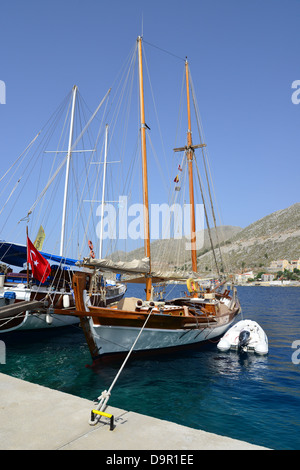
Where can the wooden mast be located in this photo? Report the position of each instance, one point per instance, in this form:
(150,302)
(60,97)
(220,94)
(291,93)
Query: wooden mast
(144,164)
(190,149)
(190,155)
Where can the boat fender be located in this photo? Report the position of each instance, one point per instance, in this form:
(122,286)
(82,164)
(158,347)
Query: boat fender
(192,286)
(9,297)
(49,319)
(66,301)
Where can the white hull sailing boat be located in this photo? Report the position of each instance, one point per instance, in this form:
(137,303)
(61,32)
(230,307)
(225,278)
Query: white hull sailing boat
(162,326)
(26,303)
(15,293)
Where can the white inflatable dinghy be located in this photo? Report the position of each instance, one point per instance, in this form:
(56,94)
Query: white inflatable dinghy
(244,336)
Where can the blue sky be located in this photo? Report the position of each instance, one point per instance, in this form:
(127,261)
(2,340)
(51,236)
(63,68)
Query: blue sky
(243,56)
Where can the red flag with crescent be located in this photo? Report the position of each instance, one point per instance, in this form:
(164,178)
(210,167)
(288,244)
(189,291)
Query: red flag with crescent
(39,265)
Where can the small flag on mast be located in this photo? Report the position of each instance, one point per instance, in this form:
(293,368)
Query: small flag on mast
(38,243)
(39,265)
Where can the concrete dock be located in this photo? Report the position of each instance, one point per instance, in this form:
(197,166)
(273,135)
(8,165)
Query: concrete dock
(33,417)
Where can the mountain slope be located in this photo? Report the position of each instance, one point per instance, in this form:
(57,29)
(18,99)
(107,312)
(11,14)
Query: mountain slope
(173,251)
(276,236)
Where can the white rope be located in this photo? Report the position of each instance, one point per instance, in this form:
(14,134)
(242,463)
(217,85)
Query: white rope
(105,395)
(27,148)
(9,319)
(210,183)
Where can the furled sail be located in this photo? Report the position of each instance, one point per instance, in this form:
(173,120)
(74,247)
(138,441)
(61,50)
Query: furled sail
(122,267)
(136,266)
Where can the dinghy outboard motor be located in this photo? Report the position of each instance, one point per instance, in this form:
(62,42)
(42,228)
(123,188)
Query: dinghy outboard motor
(244,338)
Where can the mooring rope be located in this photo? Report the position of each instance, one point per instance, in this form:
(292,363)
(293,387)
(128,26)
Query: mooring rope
(105,395)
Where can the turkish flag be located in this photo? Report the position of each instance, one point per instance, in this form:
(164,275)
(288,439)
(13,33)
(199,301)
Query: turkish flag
(39,265)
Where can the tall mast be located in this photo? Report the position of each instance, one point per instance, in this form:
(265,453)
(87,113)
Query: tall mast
(63,223)
(144,164)
(190,156)
(103,192)
(189,149)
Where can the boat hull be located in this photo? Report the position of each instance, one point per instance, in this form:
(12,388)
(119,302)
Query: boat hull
(33,320)
(116,341)
(147,327)
(38,321)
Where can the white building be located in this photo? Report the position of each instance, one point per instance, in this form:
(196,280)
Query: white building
(267,277)
(242,278)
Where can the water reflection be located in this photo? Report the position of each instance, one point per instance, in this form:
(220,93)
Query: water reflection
(234,363)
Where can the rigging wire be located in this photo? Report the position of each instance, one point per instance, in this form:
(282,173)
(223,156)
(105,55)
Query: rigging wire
(208,175)
(206,216)
(32,161)
(60,145)
(81,215)
(164,50)
(159,127)
(122,114)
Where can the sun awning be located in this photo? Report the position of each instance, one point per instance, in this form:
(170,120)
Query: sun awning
(16,255)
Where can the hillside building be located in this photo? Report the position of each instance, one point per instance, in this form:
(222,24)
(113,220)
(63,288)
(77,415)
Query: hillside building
(267,277)
(242,278)
(279,265)
(282,264)
(295,264)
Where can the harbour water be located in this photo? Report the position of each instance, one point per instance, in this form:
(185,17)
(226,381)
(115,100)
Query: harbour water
(250,398)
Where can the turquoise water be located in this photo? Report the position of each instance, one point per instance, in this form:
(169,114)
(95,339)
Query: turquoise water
(252,398)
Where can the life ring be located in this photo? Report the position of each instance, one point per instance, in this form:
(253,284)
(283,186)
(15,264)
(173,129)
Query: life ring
(192,285)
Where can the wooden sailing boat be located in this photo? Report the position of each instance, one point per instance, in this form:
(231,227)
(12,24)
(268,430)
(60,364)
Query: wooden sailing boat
(26,303)
(178,324)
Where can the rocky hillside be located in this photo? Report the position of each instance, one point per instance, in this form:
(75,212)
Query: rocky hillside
(173,251)
(276,236)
